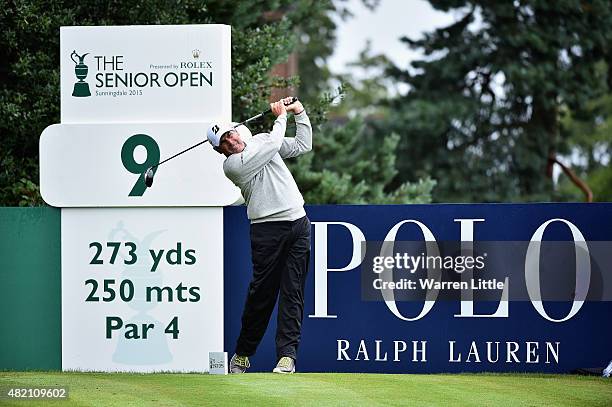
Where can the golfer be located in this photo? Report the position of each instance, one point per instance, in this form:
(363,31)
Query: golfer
(280,231)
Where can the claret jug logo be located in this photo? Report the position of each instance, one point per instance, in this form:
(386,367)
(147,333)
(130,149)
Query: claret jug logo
(81,88)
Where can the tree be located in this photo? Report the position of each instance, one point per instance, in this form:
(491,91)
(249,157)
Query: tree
(29,66)
(316,23)
(483,114)
(350,166)
(29,86)
(350,163)
(590,141)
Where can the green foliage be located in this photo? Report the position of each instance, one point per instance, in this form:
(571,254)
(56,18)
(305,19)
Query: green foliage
(341,170)
(369,89)
(590,143)
(316,36)
(483,112)
(350,166)
(16,185)
(29,65)
(600,181)
(316,23)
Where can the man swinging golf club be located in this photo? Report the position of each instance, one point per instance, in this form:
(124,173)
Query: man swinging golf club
(280,230)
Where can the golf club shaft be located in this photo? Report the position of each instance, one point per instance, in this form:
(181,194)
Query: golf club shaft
(177,154)
(293,100)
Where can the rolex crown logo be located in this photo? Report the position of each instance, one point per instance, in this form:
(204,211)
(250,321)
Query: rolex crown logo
(196,53)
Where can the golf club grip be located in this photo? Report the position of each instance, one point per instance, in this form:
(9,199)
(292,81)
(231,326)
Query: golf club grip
(250,119)
(293,100)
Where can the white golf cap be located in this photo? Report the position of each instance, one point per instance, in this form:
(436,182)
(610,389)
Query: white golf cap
(216,130)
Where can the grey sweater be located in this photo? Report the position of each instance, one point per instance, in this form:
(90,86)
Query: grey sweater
(267,186)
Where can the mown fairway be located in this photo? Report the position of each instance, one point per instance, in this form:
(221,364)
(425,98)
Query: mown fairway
(319,389)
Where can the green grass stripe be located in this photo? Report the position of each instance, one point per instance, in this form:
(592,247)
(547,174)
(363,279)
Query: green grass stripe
(318,389)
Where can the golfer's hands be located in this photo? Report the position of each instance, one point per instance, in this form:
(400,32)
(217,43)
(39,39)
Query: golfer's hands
(295,107)
(278,108)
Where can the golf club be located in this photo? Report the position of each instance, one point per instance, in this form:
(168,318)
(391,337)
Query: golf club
(150,173)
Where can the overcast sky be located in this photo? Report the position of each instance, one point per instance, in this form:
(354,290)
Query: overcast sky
(391,20)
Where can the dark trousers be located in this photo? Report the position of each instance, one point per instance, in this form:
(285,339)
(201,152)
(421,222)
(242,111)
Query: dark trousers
(280,252)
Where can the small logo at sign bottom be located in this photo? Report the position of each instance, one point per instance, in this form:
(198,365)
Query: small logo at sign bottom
(217,362)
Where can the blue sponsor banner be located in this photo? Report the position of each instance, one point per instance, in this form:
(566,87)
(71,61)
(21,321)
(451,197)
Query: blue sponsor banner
(344,333)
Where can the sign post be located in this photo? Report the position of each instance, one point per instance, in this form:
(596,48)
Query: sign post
(142,269)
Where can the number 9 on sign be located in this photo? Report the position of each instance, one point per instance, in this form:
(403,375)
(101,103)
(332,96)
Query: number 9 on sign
(130,164)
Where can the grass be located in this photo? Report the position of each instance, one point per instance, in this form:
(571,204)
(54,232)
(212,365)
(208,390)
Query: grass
(319,389)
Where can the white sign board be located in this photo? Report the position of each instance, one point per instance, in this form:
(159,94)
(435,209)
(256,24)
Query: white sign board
(168,73)
(142,288)
(101,165)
